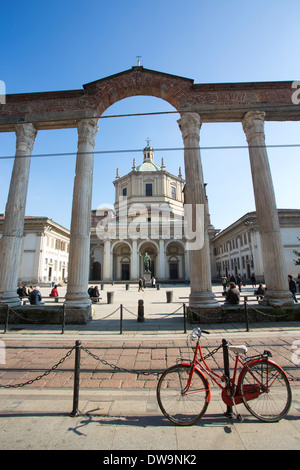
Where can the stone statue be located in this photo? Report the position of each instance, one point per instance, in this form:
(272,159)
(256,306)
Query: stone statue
(147,263)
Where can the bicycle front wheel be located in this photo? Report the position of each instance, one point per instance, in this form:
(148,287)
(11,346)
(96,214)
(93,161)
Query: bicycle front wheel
(181,403)
(266,391)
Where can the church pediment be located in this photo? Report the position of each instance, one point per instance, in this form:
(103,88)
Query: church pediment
(136,72)
(138,81)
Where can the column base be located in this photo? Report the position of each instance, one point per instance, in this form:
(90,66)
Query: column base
(9,298)
(203,299)
(78,302)
(277,298)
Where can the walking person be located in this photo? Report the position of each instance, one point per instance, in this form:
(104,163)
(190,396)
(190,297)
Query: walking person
(292,287)
(239,282)
(253,281)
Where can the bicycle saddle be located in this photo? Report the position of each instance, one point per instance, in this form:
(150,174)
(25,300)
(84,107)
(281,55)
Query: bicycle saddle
(238,349)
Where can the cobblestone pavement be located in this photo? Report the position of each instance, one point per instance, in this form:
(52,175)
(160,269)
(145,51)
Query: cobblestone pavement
(126,363)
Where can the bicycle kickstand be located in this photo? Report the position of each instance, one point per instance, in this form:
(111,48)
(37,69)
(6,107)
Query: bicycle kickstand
(230,413)
(239,417)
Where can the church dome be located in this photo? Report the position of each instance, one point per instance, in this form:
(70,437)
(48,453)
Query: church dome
(148,166)
(148,163)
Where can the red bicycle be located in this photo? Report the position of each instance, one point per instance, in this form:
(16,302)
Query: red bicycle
(183,390)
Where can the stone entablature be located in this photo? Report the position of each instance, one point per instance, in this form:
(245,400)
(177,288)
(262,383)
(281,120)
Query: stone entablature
(216,102)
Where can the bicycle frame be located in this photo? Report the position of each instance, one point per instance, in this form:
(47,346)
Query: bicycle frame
(231,391)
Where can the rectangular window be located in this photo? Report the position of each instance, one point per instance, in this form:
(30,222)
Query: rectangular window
(173,189)
(148,189)
(124,192)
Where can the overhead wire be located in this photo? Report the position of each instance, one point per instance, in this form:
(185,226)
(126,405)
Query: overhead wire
(167,149)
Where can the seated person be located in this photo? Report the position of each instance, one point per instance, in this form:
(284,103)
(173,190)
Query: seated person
(21,291)
(54,292)
(35,297)
(232,295)
(95,294)
(260,291)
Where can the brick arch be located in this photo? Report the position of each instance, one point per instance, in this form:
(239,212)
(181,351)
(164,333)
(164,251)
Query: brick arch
(139,82)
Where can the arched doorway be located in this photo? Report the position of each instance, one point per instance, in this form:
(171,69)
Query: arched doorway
(96,271)
(121,261)
(175,261)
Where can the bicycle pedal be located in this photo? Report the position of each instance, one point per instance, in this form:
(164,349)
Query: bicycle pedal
(240,418)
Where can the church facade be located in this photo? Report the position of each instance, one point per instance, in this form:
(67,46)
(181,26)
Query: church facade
(147,220)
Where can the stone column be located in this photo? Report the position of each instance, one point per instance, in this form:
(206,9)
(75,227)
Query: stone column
(201,295)
(107,261)
(134,261)
(161,261)
(277,293)
(79,256)
(13,226)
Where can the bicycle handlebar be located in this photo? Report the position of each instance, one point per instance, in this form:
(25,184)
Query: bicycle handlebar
(199,332)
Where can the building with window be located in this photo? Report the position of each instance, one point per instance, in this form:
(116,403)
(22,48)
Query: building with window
(147,218)
(45,251)
(237,249)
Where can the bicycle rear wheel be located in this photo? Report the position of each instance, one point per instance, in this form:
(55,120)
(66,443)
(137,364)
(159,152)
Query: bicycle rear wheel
(181,404)
(266,391)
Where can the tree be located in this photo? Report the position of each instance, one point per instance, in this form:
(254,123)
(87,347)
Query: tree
(297,261)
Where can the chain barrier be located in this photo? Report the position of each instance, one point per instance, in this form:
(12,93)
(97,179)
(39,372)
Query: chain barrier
(114,367)
(202,316)
(39,377)
(37,322)
(120,369)
(10,309)
(120,307)
(268,314)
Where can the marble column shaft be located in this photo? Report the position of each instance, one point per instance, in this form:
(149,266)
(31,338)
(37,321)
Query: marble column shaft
(79,256)
(201,294)
(275,273)
(13,226)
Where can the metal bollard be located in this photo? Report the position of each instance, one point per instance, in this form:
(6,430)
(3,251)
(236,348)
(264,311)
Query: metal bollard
(63,320)
(75,411)
(184,318)
(229,412)
(7,319)
(246,313)
(140,311)
(121,319)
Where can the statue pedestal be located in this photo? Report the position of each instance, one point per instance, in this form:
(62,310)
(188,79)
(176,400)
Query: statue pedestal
(147,277)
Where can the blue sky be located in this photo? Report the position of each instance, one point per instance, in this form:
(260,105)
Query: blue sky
(61,45)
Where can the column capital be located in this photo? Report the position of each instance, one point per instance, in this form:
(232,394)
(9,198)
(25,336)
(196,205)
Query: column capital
(190,124)
(87,130)
(253,124)
(26,134)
